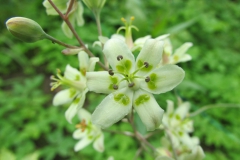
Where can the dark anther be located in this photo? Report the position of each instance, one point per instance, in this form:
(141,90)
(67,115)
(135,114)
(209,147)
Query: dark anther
(146,64)
(131,84)
(115,86)
(111,72)
(119,58)
(147,79)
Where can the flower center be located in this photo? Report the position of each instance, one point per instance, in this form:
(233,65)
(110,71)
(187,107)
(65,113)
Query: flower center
(61,80)
(82,125)
(131,78)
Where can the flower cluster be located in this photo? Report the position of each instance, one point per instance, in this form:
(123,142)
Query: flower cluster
(138,70)
(178,127)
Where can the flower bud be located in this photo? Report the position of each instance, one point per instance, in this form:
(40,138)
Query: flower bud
(71,51)
(94,5)
(25,29)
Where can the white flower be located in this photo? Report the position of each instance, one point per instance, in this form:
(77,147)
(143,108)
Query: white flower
(75,16)
(76,80)
(131,83)
(196,154)
(88,133)
(179,54)
(179,126)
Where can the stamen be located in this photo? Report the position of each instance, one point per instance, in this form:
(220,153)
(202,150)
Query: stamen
(146,64)
(130,85)
(111,73)
(115,86)
(147,79)
(82,125)
(120,57)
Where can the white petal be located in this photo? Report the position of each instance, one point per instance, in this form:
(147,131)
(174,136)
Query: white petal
(101,82)
(182,110)
(113,108)
(83,61)
(119,36)
(92,63)
(97,43)
(138,43)
(187,140)
(148,109)
(72,73)
(197,154)
(71,112)
(170,107)
(82,143)
(151,53)
(98,144)
(182,49)
(167,47)
(114,48)
(74,107)
(61,5)
(103,39)
(163,79)
(83,114)
(78,134)
(64,96)
(162,37)
(185,58)
(66,30)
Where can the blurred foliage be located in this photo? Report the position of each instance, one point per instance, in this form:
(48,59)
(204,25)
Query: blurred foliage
(31,128)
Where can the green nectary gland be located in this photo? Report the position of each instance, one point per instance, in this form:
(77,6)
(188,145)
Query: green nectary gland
(76,100)
(122,98)
(72,92)
(114,80)
(140,63)
(124,66)
(152,83)
(142,99)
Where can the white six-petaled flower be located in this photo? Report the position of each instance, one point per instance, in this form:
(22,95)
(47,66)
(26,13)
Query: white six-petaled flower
(76,80)
(88,133)
(131,83)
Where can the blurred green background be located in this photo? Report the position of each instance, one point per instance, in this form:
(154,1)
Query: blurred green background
(31,128)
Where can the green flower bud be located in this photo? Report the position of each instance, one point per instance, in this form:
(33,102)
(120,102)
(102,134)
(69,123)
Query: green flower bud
(25,29)
(94,5)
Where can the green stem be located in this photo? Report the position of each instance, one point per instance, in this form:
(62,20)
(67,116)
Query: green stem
(59,42)
(65,18)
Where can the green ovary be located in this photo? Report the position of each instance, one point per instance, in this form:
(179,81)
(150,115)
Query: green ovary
(122,98)
(152,83)
(142,99)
